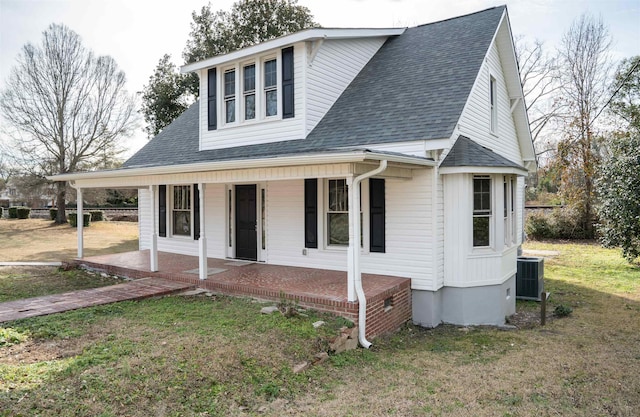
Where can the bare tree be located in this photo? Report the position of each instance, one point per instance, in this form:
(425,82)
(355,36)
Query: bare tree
(585,79)
(67,106)
(540,84)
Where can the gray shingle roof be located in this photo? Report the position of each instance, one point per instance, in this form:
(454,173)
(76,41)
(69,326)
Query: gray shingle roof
(414,87)
(467,153)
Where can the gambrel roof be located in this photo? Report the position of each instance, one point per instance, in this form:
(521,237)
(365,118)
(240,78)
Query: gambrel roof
(414,88)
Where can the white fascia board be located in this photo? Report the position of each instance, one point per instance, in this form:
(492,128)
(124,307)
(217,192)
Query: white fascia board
(482,170)
(305,159)
(304,35)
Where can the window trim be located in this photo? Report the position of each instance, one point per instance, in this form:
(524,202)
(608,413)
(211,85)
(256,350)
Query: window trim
(172,210)
(493,104)
(327,211)
(230,97)
(482,213)
(324,215)
(251,92)
(271,88)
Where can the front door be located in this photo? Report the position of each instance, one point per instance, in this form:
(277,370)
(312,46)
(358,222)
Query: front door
(246,230)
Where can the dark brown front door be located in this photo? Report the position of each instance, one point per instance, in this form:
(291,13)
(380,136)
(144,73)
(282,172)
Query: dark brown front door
(246,234)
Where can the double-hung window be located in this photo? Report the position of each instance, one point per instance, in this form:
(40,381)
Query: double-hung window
(230,96)
(338,213)
(181,210)
(493,101)
(249,92)
(271,87)
(481,211)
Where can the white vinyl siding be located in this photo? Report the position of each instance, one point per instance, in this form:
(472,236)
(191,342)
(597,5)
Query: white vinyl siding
(475,121)
(409,235)
(215,232)
(334,66)
(262,129)
(465,265)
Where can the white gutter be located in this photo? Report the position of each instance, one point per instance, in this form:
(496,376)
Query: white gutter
(362,301)
(305,159)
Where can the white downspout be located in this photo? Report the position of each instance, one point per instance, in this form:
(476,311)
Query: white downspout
(362,301)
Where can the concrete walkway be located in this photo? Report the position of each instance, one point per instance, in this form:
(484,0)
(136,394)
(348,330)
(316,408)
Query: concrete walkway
(57,303)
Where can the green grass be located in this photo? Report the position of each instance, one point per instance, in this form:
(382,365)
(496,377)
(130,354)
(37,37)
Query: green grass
(218,356)
(193,354)
(26,282)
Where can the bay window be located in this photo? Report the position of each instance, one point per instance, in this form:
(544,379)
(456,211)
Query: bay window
(481,211)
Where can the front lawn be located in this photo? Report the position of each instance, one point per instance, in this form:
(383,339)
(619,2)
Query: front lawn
(43,240)
(206,356)
(18,282)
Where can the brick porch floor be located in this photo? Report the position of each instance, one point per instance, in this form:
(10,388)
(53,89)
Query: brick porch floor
(57,303)
(319,289)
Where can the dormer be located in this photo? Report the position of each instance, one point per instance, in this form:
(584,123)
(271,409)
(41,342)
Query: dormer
(280,89)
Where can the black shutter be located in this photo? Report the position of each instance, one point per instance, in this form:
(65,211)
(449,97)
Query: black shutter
(162,210)
(287,83)
(211,100)
(376,215)
(196,212)
(311,213)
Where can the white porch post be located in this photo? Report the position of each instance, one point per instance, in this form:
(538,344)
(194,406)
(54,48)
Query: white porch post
(202,241)
(153,252)
(351,272)
(80,222)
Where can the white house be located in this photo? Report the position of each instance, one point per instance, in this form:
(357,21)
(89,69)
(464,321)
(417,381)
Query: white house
(398,152)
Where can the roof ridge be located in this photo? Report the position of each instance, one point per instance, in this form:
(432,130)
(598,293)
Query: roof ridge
(504,6)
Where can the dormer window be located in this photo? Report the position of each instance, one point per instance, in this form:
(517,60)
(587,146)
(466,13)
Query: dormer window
(252,90)
(230,95)
(271,87)
(249,92)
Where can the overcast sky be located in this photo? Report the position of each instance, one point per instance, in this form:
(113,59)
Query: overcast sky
(138,32)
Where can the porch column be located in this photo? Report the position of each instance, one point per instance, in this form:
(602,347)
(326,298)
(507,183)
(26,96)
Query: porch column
(353,244)
(202,241)
(153,252)
(80,222)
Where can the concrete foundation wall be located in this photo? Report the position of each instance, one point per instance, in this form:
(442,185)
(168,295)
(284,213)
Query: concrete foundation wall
(485,305)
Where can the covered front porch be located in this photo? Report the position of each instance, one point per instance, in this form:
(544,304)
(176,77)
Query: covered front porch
(388,298)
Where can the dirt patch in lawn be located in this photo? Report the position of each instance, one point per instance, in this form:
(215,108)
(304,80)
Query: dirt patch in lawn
(43,240)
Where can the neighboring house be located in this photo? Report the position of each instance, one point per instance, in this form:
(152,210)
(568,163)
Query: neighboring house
(420,135)
(25,191)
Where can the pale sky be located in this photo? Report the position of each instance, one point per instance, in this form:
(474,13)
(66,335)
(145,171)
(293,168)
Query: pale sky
(136,33)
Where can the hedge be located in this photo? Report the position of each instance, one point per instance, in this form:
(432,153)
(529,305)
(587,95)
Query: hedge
(13,212)
(73,219)
(53,213)
(1,212)
(96,215)
(23,212)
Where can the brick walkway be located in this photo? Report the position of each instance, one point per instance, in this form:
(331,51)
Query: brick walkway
(50,304)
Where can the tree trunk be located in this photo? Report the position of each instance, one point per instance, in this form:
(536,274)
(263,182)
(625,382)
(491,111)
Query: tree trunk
(61,196)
